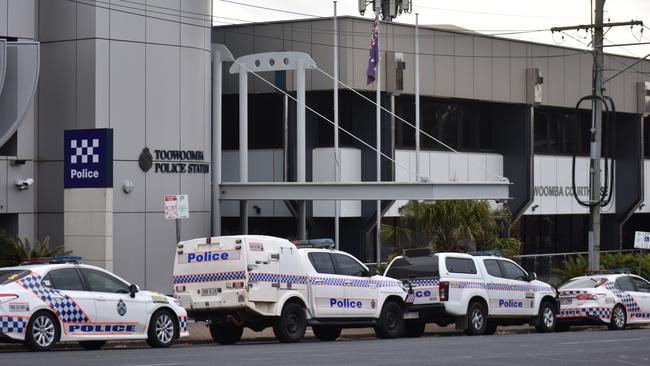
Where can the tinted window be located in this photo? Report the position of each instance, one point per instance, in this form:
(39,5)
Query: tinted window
(64,279)
(512,271)
(583,283)
(403,268)
(492,267)
(347,266)
(103,282)
(11,275)
(460,265)
(624,283)
(641,284)
(322,262)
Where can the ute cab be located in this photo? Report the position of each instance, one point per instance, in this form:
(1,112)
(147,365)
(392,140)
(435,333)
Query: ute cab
(262,281)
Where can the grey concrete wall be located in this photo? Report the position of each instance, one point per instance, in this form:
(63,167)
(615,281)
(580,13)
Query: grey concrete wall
(145,72)
(452,64)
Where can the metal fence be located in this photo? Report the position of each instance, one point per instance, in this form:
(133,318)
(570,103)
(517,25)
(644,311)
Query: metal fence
(543,264)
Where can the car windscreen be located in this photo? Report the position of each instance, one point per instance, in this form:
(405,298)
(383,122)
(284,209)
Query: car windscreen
(588,282)
(11,275)
(410,267)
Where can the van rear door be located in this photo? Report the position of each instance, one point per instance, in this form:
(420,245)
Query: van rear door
(263,262)
(208,269)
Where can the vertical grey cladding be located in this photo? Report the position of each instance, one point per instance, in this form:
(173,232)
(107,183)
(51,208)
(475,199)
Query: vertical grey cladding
(129,248)
(483,68)
(464,66)
(500,70)
(21,19)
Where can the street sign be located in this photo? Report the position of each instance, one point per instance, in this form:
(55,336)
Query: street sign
(642,240)
(177,206)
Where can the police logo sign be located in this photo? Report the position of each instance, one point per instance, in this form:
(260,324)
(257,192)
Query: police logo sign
(121,308)
(88,158)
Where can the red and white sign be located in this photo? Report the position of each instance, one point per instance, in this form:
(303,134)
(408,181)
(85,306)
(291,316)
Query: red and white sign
(177,206)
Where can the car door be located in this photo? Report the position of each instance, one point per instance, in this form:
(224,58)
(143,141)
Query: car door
(326,287)
(520,298)
(361,293)
(497,287)
(64,292)
(118,314)
(642,297)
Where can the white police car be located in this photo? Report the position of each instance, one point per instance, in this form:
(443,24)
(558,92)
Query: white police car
(614,299)
(60,300)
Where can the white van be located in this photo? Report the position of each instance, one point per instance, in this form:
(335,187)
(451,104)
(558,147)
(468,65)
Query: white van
(260,281)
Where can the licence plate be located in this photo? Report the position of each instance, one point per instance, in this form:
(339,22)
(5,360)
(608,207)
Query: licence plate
(565,301)
(209,291)
(411,315)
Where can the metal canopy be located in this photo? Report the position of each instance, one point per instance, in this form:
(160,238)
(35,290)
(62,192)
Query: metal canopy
(365,191)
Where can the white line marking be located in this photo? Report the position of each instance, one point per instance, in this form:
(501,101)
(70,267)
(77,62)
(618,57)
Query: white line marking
(605,341)
(158,364)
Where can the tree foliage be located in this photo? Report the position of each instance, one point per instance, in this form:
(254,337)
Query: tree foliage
(578,265)
(452,225)
(16,251)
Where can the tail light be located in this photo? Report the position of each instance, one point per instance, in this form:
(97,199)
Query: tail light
(7,297)
(589,296)
(443,289)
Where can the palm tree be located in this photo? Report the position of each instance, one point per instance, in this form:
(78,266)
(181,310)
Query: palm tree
(16,251)
(453,225)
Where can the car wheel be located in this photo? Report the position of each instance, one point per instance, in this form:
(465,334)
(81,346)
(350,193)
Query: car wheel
(290,327)
(490,328)
(92,345)
(162,329)
(414,329)
(42,331)
(391,321)
(546,318)
(476,319)
(225,333)
(326,332)
(619,318)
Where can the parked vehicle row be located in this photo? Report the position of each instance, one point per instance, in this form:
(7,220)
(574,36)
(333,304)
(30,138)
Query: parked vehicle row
(256,282)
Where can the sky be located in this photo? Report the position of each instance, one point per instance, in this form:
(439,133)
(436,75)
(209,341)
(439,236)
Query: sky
(485,16)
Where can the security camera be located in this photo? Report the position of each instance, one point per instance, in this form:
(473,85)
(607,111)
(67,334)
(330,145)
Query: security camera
(23,184)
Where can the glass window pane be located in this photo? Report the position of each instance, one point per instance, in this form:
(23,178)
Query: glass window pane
(460,265)
(512,271)
(418,267)
(582,283)
(322,263)
(64,279)
(624,283)
(348,266)
(103,282)
(492,267)
(641,284)
(11,275)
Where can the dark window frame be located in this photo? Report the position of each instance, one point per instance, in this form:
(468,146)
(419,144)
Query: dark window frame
(452,269)
(311,260)
(339,270)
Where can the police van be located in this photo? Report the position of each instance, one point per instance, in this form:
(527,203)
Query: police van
(257,282)
(475,292)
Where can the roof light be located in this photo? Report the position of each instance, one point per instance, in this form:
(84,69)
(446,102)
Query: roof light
(53,260)
(315,243)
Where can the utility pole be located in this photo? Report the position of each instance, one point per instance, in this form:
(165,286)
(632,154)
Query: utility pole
(595,195)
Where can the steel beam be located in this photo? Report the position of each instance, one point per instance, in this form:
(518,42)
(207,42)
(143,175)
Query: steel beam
(365,191)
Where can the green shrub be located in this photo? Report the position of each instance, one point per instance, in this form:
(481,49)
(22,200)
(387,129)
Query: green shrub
(16,251)
(578,265)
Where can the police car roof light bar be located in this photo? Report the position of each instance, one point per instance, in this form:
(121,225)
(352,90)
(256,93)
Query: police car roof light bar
(611,271)
(53,260)
(418,252)
(315,243)
(487,252)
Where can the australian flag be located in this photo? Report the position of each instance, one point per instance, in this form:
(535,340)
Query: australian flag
(374,52)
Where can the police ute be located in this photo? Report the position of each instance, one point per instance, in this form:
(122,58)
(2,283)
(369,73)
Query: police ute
(56,299)
(477,293)
(611,298)
(257,282)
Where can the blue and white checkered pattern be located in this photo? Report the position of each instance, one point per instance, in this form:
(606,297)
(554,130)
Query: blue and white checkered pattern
(182,323)
(210,277)
(571,292)
(338,281)
(598,312)
(12,324)
(84,151)
(425,282)
(471,285)
(65,308)
(627,299)
(276,277)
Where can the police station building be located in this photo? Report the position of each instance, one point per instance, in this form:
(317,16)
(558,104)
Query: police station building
(105,109)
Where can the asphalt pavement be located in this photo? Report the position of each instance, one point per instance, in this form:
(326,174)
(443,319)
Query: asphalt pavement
(590,347)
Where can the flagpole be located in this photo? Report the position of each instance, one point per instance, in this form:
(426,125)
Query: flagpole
(417,99)
(337,157)
(378,127)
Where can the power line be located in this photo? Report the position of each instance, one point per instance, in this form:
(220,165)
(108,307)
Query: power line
(495,14)
(270,9)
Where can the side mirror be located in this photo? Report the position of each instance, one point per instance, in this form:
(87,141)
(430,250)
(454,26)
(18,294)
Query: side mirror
(372,272)
(133,289)
(532,276)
